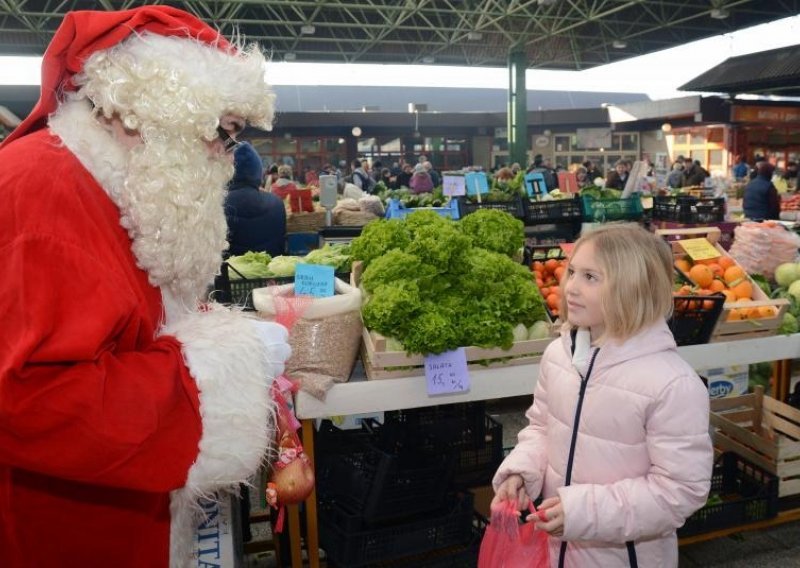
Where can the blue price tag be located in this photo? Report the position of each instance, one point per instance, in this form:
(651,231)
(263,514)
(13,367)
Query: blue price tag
(476,182)
(313,280)
(447,372)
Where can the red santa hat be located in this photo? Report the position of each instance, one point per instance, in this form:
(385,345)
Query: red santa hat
(83,33)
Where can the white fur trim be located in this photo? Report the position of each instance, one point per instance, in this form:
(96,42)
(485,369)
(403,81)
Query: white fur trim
(233,368)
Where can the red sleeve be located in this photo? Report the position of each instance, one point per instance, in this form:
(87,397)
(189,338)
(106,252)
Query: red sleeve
(86,390)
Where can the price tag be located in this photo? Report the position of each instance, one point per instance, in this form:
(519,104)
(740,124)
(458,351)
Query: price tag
(476,183)
(699,249)
(313,280)
(447,373)
(454,185)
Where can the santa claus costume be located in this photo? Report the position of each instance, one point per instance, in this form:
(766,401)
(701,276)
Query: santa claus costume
(123,399)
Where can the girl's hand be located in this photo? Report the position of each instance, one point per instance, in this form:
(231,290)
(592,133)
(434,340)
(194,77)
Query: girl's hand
(512,489)
(549,517)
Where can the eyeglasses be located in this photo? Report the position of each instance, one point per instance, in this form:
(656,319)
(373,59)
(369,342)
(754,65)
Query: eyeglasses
(228,141)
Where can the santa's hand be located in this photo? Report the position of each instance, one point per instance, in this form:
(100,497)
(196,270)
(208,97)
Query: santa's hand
(550,517)
(274,338)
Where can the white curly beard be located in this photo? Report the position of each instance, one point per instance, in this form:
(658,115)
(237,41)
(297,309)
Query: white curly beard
(170,192)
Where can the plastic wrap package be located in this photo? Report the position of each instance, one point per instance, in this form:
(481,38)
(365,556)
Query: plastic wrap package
(325,338)
(359,212)
(760,247)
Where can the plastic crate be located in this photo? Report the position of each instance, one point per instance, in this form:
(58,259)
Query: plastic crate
(553,211)
(381,478)
(749,494)
(542,253)
(349,544)
(688,209)
(396,210)
(475,438)
(610,209)
(238,291)
(694,318)
(460,556)
(300,244)
(513,207)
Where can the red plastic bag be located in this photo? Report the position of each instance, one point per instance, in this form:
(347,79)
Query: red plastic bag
(509,544)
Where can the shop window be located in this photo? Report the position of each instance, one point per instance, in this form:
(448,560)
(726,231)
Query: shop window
(629,142)
(562,143)
(682,139)
(310,145)
(698,138)
(715,158)
(699,155)
(716,135)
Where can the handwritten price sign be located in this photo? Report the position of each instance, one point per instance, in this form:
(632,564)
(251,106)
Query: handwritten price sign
(447,373)
(313,280)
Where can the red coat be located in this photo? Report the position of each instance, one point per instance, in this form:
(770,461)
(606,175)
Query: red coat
(99,416)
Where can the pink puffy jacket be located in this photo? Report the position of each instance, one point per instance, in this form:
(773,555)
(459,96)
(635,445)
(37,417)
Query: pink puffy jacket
(643,455)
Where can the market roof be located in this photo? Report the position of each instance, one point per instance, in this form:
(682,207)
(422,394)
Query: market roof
(773,72)
(554,34)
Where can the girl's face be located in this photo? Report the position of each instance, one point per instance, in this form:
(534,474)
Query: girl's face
(583,290)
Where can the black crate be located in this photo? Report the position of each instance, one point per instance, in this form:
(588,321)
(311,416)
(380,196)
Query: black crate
(694,318)
(553,211)
(460,556)
(382,477)
(238,291)
(513,207)
(749,494)
(475,438)
(349,545)
(688,209)
(542,253)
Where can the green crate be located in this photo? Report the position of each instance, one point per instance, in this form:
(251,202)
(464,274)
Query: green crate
(610,209)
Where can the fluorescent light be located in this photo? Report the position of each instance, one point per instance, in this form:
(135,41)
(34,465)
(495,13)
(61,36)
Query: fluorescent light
(308,29)
(290,56)
(619,44)
(474,36)
(719,13)
(428,59)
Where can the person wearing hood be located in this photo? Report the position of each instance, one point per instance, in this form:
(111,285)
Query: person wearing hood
(617,442)
(421,181)
(761,200)
(256,220)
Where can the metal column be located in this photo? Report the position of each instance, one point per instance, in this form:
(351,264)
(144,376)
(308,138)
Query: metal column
(517,109)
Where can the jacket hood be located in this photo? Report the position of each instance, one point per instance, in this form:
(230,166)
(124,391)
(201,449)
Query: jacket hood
(654,339)
(247,165)
(280,182)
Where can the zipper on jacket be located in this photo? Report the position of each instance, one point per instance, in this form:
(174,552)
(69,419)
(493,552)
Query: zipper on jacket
(568,477)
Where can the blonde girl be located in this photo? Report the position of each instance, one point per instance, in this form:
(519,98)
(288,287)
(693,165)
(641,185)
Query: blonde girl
(617,442)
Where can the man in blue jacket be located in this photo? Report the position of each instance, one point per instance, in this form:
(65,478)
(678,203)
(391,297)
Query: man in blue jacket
(256,220)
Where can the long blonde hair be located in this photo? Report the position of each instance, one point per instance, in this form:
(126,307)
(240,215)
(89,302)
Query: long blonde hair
(638,269)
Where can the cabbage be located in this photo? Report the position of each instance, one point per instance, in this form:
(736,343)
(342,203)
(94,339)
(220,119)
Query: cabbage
(250,265)
(539,330)
(284,265)
(794,290)
(520,332)
(787,273)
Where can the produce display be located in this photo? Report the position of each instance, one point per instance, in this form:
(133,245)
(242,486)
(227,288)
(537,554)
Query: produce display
(259,265)
(433,284)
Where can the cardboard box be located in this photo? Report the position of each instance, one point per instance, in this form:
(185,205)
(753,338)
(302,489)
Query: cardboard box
(727,381)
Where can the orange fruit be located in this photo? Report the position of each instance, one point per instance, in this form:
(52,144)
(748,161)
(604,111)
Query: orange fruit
(717,285)
(539,282)
(725,262)
(735,315)
(701,275)
(683,265)
(537,265)
(743,290)
(559,272)
(734,273)
(553,300)
(716,269)
(730,297)
(545,291)
(551,264)
(768,311)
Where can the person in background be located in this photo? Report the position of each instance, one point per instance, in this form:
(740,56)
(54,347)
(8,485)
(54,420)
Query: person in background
(404,179)
(618,177)
(361,178)
(617,441)
(311,177)
(761,200)
(592,170)
(436,179)
(125,395)
(270,176)
(740,169)
(756,164)
(695,174)
(387,178)
(791,174)
(300,199)
(582,175)
(421,181)
(256,220)
(375,172)
(779,181)
(675,176)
